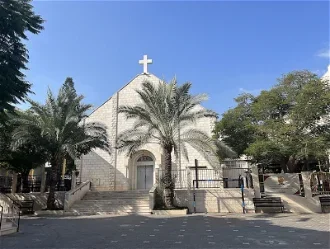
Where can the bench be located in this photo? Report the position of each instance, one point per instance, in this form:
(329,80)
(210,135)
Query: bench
(325,202)
(268,202)
(25,206)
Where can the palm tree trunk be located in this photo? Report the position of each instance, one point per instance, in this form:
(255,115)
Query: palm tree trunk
(169,187)
(53,181)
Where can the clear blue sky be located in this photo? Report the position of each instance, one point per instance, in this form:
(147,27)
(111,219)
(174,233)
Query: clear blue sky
(223,48)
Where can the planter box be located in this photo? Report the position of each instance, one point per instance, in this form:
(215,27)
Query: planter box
(173,212)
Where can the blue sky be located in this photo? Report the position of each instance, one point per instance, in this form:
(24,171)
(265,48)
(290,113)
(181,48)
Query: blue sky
(223,48)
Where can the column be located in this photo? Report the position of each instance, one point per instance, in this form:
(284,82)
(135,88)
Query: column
(14,183)
(255,178)
(73,179)
(306,176)
(43,179)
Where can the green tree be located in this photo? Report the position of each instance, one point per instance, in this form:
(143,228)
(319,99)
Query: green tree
(166,111)
(286,125)
(236,125)
(16,19)
(58,126)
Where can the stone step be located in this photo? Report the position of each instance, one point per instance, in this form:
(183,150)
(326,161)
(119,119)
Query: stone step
(110,207)
(116,201)
(118,192)
(115,197)
(108,212)
(115,194)
(83,204)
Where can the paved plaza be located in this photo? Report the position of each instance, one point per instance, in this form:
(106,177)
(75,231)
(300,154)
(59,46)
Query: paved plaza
(192,231)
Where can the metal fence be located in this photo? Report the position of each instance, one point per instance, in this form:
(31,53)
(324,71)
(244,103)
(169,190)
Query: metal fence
(179,178)
(209,178)
(320,183)
(231,177)
(6,184)
(32,183)
(206,178)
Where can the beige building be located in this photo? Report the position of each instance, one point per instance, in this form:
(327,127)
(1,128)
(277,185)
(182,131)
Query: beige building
(116,171)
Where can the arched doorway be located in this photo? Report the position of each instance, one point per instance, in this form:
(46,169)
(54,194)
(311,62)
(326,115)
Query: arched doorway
(145,172)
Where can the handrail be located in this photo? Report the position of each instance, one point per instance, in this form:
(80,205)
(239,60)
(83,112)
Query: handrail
(73,191)
(16,216)
(76,194)
(14,213)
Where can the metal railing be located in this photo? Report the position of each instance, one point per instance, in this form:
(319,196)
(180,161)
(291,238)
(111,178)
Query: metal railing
(11,213)
(6,184)
(209,178)
(14,216)
(179,178)
(320,183)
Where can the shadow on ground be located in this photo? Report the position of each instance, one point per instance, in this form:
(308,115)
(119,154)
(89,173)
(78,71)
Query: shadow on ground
(192,231)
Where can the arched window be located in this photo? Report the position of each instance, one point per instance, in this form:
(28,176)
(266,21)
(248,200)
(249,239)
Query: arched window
(145,159)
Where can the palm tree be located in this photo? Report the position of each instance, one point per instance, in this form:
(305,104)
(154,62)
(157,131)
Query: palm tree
(59,128)
(166,111)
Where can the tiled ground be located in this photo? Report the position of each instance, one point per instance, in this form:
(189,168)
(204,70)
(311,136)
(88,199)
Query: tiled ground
(193,231)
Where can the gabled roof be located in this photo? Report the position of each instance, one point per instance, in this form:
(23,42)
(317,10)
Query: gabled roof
(142,74)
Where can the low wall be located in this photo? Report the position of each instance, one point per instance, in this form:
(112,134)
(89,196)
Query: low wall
(152,197)
(299,204)
(76,194)
(40,199)
(286,183)
(213,200)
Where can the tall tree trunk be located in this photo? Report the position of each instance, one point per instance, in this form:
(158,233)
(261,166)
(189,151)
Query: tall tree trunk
(53,181)
(168,183)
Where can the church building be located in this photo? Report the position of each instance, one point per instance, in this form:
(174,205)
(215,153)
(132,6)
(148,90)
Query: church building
(116,171)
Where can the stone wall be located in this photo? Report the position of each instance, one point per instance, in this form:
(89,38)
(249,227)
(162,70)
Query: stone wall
(98,166)
(213,200)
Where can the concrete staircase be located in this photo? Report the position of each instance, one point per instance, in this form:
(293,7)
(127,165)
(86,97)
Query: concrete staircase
(112,202)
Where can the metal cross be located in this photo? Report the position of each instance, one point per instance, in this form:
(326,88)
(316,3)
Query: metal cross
(145,63)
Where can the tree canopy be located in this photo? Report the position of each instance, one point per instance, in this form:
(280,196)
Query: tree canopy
(58,127)
(16,19)
(23,157)
(286,125)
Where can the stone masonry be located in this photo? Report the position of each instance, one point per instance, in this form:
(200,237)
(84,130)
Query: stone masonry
(116,171)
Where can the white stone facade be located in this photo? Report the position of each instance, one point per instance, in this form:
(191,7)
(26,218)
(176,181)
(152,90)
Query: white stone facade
(116,171)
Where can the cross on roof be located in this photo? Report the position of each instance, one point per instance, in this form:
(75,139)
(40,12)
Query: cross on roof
(145,63)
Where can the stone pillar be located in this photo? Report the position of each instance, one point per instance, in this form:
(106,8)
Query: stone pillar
(14,183)
(43,179)
(157,175)
(255,179)
(306,176)
(189,179)
(43,182)
(73,179)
